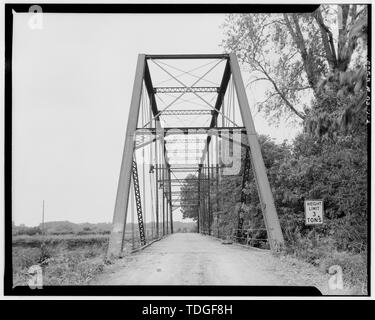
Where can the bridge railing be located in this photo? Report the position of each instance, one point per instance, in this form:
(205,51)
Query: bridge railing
(247,236)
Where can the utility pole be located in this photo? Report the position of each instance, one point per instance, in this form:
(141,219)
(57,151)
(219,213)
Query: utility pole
(43,219)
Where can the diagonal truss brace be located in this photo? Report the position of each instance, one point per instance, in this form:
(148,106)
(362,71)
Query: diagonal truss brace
(138,202)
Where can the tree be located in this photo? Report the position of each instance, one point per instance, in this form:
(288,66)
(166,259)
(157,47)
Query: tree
(341,103)
(189,197)
(295,55)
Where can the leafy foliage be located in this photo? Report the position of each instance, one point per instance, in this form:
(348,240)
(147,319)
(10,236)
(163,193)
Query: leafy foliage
(312,66)
(189,191)
(263,45)
(299,59)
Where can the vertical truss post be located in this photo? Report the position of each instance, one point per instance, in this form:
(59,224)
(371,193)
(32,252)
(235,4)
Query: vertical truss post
(209,195)
(217,189)
(206,197)
(157,199)
(116,241)
(246,174)
(204,200)
(170,197)
(167,194)
(221,188)
(222,114)
(218,184)
(265,194)
(217,198)
(166,213)
(163,197)
(245,178)
(199,196)
(171,215)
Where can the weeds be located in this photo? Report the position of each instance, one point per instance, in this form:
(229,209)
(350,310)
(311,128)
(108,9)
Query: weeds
(66,260)
(322,252)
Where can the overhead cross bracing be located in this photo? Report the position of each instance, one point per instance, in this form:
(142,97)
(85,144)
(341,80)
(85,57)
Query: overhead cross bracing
(185,89)
(189,121)
(187,112)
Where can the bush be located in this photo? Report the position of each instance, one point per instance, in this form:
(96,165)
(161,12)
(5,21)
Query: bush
(30,231)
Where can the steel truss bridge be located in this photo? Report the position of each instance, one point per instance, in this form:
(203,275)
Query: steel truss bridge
(189,126)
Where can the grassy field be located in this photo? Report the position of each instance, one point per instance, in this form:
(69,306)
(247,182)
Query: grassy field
(65,259)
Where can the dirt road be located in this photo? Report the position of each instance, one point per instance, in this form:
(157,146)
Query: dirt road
(194,259)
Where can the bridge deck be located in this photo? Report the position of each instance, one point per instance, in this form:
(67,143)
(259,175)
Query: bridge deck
(195,259)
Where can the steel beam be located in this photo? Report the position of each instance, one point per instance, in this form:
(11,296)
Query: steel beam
(186,112)
(220,98)
(199,197)
(179,157)
(265,194)
(157,197)
(217,189)
(179,151)
(187,56)
(170,198)
(163,197)
(182,180)
(190,205)
(209,191)
(185,130)
(115,246)
(138,201)
(185,89)
(151,95)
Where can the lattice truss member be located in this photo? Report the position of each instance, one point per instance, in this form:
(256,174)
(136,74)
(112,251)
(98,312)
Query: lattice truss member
(189,126)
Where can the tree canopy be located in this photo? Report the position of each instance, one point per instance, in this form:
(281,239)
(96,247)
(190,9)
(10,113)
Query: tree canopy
(300,58)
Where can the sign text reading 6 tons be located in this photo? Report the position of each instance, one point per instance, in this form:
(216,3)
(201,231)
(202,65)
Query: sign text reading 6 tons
(314,211)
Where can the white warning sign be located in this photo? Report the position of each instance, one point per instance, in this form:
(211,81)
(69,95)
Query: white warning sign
(314,211)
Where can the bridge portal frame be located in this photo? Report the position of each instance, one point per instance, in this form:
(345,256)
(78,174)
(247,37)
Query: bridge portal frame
(142,75)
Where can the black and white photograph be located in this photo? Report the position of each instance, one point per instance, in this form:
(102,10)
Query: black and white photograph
(187,149)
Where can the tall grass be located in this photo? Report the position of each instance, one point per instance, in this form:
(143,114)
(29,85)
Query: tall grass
(322,252)
(65,260)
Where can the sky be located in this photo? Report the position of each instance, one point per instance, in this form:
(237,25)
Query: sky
(72,84)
